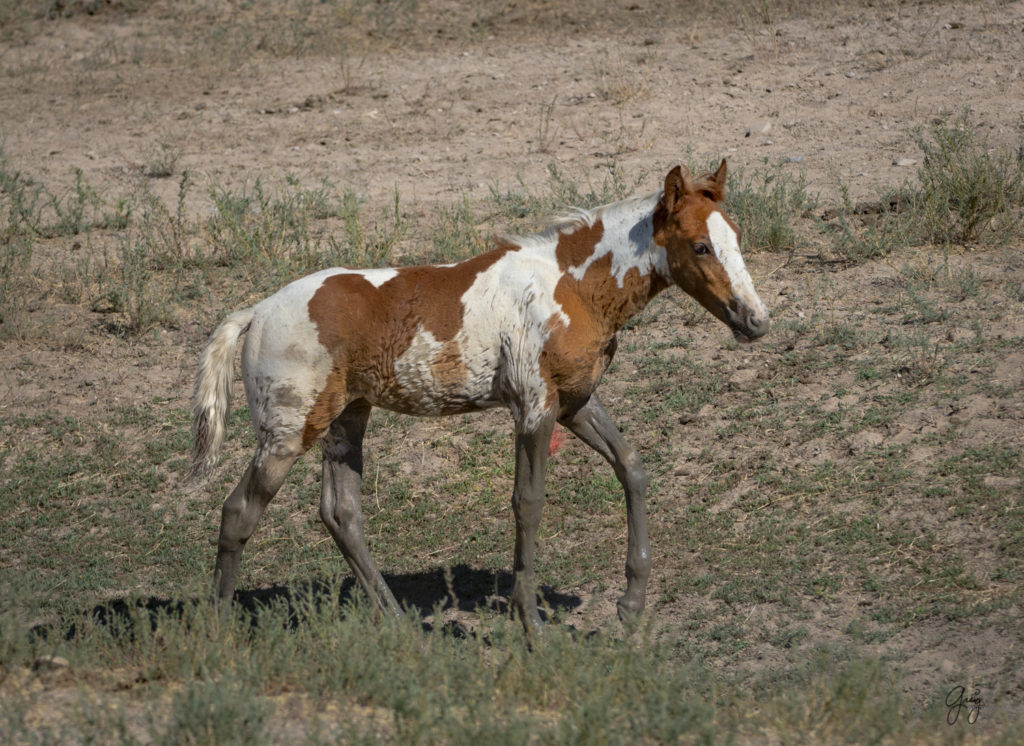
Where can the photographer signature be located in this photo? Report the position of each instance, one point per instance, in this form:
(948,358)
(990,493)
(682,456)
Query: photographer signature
(957,701)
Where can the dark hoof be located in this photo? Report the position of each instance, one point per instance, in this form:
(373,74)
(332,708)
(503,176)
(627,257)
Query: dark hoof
(630,615)
(534,629)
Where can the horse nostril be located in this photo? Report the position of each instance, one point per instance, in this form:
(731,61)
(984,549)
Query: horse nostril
(759,326)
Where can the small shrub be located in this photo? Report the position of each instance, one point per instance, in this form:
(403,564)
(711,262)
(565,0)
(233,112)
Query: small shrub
(162,163)
(15,283)
(564,192)
(134,290)
(875,230)
(455,236)
(216,713)
(766,204)
(965,282)
(522,208)
(19,219)
(262,233)
(621,80)
(361,245)
(277,235)
(169,234)
(968,190)
(70,212)
(21,202)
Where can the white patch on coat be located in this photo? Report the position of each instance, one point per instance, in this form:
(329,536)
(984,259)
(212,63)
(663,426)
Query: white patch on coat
(726,246)
(509,310)
(514,299)
(376,277)
(415,375)
(628,228)
(283,363)
(508,313)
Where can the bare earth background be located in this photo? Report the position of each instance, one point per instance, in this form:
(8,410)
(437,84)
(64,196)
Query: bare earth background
(443,105)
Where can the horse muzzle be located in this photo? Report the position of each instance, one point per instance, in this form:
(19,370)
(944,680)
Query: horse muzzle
(746,325)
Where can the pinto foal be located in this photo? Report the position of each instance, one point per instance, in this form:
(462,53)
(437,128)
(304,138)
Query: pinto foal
(530,325)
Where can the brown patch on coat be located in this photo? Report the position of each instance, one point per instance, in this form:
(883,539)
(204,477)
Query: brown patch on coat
(433,295)
(366,329)
(575,357)
(575,246)
(343,302)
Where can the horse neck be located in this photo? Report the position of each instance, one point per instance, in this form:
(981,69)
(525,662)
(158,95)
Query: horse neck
(612,262)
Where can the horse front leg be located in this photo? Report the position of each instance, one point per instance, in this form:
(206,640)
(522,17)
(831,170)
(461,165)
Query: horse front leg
(591,424)
(340,502)
(527,504)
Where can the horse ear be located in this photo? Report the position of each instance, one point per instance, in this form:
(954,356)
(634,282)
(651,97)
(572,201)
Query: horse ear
(675,188)
(716,183)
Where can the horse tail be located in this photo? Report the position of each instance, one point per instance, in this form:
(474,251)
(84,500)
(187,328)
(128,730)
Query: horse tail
(212,396)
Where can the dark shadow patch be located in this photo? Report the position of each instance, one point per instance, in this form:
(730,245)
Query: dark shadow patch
(461,587)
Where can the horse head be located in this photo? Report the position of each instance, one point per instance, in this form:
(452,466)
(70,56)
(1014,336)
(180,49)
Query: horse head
(702,246)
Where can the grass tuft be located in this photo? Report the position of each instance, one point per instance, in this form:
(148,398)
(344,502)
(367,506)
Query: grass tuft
(211,713)
(966,192)
(768,203)
(969,191)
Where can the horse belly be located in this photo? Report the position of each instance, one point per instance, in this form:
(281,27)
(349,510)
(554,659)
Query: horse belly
(433,377)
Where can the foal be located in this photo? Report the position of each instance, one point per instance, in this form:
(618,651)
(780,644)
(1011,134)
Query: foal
(530,325)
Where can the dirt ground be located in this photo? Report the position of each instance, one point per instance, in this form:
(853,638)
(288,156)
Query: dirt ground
(463,100)
(480,99)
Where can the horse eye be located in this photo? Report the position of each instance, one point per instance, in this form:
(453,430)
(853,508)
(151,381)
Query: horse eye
(701,248)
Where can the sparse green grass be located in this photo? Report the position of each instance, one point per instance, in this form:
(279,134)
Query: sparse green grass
(967,192)
(393,682)
(522,208)
(876,230)
(769,203)
(455,235)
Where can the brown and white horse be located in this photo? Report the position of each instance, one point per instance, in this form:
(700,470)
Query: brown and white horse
(530,325)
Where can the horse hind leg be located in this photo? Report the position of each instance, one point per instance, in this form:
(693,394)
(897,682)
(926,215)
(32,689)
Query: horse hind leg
(340,501)
(244,506)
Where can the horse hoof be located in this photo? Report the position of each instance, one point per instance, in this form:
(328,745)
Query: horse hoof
(629,615)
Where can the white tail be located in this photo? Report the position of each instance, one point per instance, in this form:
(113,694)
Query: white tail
(212,395)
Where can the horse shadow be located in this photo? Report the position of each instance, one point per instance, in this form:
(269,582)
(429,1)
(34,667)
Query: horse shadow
(463,588)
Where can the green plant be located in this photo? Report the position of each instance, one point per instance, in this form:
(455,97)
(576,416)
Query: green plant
(968,190)
(767,204)
(621,80)
(522,208)
(964,282)
(15,284)
(455,235)
(22,201)
(169,235)
(136,291)
(162,162)
(214,712)
(70,212)
(19,218)
(363,246)
(874,230)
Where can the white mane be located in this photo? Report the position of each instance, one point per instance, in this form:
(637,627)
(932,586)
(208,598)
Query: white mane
(580,217)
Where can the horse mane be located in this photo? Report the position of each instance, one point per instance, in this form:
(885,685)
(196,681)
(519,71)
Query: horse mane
(572,219)
(707,185)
